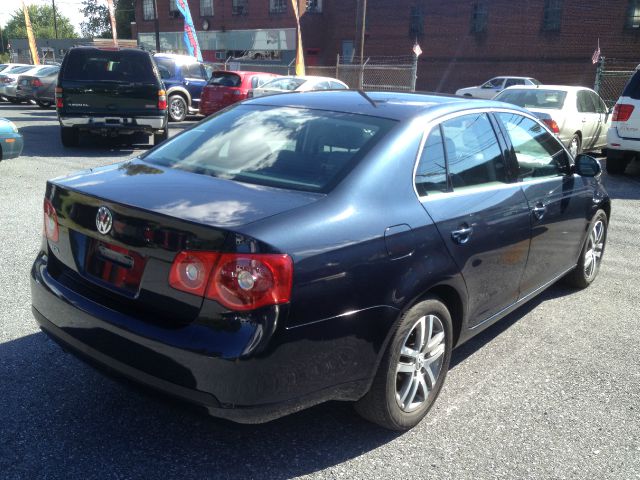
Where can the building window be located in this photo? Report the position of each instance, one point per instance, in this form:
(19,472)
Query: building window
(173,5)
(633,14)
(277,6)
(552,15)
(314,6)
(239,7)
(206,8)
(479,17)
(148,12)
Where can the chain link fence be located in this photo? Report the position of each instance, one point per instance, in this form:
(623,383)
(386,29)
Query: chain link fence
(611,77)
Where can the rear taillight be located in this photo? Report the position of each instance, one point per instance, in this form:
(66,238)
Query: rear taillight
(59,101)
(36,82)
(551,123)
(622,112)
(236,281)
(50,221)
(162,100)
(7,80)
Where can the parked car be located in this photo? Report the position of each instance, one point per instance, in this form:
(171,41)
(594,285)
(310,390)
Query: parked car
(490,88)
(315,246)
(184,78)
(39,87)
(9,78)
(11,141)
(298,84)
(623,137)
(226,88)
(110,92)
(6,67)
(577,115)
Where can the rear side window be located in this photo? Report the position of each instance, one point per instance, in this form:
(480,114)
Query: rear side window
(225,79)
(106,65)
(294,148)
(431,175)
(632,89)
(166,67)
(513,81)
(193,70)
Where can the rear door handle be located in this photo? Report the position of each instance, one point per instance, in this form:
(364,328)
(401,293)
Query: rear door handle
(462,235)
(539,210)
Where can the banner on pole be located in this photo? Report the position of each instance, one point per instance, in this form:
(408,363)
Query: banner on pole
(112,15)
(190,37)
(300,70)
(32,40)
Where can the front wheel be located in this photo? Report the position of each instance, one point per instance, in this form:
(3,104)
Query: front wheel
(591,256)
(413,369)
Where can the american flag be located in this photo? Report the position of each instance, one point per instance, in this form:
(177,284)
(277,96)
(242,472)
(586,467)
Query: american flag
(596,55)
(417,50)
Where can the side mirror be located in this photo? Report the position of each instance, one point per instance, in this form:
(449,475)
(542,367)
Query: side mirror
(587,166)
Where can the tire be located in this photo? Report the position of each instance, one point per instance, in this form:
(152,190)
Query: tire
(158,138)
(575,145)
(588,265)
(384,403)
(43,104)
(70,136)
(177,108)
(616,165)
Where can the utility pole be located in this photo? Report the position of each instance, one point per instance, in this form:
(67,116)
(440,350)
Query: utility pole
(55,20)
(156,25)
(1,41)
(364,26)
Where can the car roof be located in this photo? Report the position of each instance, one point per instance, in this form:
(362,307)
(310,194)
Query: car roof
(566,88)
(515,76)
(393,105)
(244,73)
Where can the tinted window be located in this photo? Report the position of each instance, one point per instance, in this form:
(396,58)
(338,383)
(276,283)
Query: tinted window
(225,79)
(431,174)
(538,153)
(632,89)
(538,98)
(166,66)
(283,147)
(106,65)
(193,70)
(473,153)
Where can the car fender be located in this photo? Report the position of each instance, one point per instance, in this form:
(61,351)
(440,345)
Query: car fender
(180,90)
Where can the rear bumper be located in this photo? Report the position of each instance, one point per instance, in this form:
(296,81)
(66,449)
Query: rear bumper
(12,145)
(292,373)
(115,122)
(617,145)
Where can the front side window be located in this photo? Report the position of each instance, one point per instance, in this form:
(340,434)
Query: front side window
(552,15)
(193,70)
(206,8)
(277,6)
(431,174)
(284,147)
(479,17)
(633,14)
(584,103)
(539,153)
(148,10)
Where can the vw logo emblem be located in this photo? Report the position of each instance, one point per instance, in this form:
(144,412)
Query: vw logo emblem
(104,220)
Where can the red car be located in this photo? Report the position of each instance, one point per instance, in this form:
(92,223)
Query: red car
(226,88)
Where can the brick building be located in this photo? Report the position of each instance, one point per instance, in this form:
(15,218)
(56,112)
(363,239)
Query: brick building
(464,41)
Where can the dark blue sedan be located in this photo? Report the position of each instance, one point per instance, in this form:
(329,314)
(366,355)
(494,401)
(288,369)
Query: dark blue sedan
(306,247)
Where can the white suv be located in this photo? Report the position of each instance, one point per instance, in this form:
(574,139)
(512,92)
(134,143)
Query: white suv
(623,138)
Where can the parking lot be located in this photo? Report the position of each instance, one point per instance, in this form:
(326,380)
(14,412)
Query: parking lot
(550,392)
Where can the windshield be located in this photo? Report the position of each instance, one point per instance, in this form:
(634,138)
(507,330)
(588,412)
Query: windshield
(284,147)
(225,79)
(107,65)
(284,84)
(538,98)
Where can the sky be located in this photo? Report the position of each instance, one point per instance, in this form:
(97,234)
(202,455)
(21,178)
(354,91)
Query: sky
(68,8)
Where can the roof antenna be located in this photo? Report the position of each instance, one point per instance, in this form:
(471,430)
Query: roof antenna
(367,97)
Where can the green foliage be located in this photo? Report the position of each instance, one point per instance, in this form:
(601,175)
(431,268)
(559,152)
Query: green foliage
(98,23)
(41,17)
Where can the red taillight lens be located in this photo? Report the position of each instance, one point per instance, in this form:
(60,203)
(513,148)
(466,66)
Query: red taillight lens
(236,281)
(622,112)
(59,101)
(36,82)
(50,221)
(553,126)
(162,100)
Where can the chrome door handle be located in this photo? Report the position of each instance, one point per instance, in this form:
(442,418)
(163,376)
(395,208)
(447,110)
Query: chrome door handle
(462,235)
(539,210)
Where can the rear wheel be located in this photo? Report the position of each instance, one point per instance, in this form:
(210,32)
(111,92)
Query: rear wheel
(177,108)
(158,138)
(70,136)
(413,369)
(43,104)
(591,256)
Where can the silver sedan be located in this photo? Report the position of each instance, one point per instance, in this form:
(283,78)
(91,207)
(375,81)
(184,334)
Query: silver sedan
(576,115)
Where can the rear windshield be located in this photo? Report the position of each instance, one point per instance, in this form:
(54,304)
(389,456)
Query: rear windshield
(225,79)
(538,98)
(105,65)
(632,89)
(284,147)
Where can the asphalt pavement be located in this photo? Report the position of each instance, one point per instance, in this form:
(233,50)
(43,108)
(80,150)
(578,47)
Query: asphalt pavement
(550,392)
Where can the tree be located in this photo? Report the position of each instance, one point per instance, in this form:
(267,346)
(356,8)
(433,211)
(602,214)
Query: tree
(41,17)
(98,23)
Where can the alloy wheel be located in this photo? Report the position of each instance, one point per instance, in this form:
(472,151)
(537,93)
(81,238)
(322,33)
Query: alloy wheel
(177,109)
(595,247)
(420,362)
